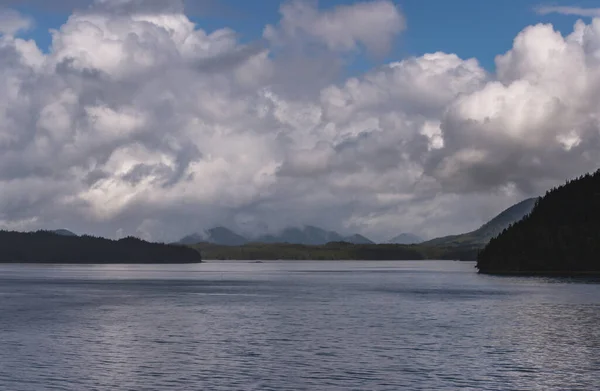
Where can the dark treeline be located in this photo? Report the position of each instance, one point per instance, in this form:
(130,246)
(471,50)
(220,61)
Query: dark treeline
(288,251)
(335,251)
(560,236)
(49,247)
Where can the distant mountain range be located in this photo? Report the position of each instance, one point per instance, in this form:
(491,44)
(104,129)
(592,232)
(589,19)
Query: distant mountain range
(405,238)
(314,236)
(311,235)
(481,236)
(223,243)
(307,235)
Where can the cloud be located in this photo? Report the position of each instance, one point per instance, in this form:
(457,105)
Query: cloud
(370,24)
(131,7)
(191,7)
(144,123)
(231,59)
(533,124)
(56,5)
(576,11)
(12,22)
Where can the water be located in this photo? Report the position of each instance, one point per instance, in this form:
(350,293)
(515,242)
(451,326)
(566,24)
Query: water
(295,326)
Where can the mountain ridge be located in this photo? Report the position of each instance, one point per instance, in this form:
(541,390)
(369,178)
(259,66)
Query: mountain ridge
(314,236)
(306,235)
(405,238)
(482,235)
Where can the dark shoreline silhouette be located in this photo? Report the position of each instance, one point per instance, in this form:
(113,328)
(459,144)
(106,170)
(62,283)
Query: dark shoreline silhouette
(51,247)
(560,237)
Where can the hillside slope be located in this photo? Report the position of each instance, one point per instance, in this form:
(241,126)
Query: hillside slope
(225,236)
(307,235)
(405,238)
(560,236)
(358,239)
(310,236)
(217,235)
(492,228)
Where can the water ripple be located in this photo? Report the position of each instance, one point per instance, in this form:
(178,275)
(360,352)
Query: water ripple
(289,326)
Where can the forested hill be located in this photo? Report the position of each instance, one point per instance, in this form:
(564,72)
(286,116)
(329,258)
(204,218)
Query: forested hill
(560,236)
(50,247)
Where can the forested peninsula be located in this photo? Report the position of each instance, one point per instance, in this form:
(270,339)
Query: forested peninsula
(52,247)
(561,236)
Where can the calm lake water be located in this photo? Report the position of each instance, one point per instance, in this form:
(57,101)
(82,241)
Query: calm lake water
(295,326)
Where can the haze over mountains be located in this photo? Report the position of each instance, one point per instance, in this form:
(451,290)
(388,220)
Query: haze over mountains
(311,235)
(217,235)
(315,236)
(405,238)
(308,235)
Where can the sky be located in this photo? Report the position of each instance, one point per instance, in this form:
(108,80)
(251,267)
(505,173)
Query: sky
(161,118)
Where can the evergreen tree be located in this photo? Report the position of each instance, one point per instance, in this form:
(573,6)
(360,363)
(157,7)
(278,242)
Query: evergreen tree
(561,235)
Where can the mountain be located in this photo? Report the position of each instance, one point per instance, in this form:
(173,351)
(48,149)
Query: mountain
(310,235)
(217,235)
(307,235)
(492,228)
(405,238)
(48,247)
(358,239)
(224,236)
(560,236)
(192,239)
(63,232)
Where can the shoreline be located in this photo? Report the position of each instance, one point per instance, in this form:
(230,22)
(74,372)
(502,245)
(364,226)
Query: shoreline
(98,263)
(565,274)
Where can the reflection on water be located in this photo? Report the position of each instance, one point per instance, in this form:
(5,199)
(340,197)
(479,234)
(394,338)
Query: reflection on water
(294,326)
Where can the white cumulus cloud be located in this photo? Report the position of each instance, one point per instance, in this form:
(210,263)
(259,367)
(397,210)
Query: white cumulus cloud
(137,121)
